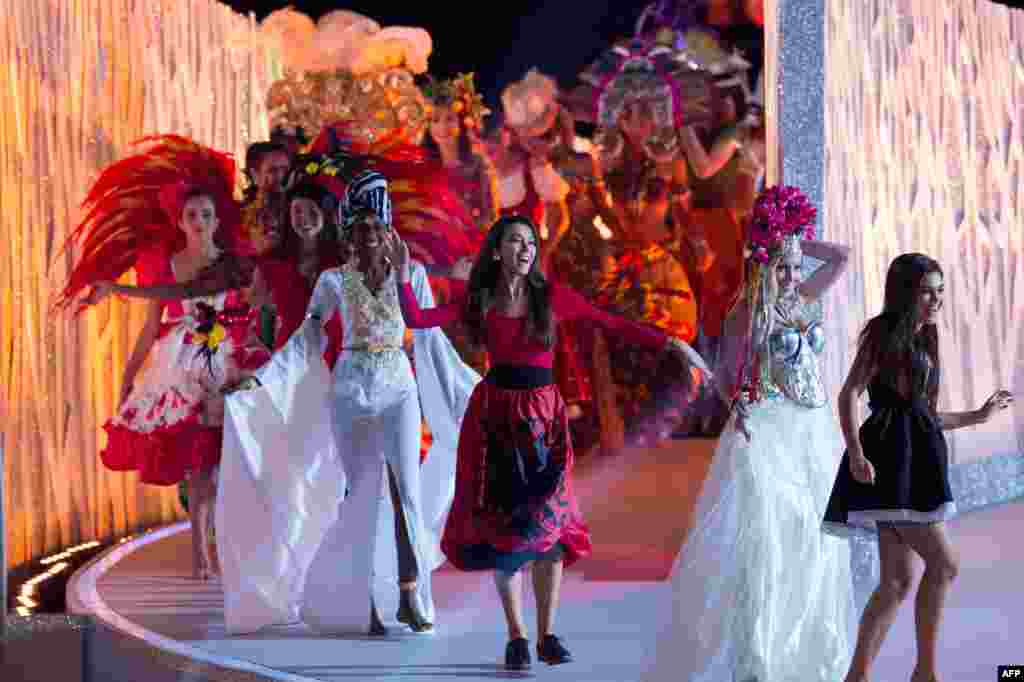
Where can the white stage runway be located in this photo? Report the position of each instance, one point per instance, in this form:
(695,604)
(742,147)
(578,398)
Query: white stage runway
(609,603)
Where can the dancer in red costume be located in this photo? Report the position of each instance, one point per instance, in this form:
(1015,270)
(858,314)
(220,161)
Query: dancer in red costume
(160,211)
(514,500)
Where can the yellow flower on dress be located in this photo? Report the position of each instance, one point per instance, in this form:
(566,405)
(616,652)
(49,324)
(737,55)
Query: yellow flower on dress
(312,168)
(214,338)
(331,171)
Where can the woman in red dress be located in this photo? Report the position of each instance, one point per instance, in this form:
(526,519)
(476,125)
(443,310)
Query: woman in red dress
(514,501)
(164,211)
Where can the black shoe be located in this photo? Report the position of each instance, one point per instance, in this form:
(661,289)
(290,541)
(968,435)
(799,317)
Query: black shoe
(517,654)
(409,613)
(551,651)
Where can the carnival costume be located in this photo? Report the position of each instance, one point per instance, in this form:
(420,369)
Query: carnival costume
(312,533)
(170,424)
(642,182)
(758,591)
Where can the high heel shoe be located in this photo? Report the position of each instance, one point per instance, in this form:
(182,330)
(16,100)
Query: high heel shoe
(376,628)
(410,613)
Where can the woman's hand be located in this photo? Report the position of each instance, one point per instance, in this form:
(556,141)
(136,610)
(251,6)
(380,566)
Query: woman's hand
(398,252)
(461,269)
(686,352)
(246,384)
(741,420)
(863,471)
(997,402)
(98,293)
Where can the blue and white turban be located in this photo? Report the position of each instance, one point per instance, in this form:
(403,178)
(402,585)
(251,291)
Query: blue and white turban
(367,191)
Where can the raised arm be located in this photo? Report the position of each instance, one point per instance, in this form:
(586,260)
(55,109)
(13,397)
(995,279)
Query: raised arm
(836,257)
(409,278)
(706,163)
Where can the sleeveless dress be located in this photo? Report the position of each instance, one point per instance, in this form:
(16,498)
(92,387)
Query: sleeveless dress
(170,424)
(903,440)
(758,592)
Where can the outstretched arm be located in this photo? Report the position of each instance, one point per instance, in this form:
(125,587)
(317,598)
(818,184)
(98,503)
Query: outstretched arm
(567,304)
(224,274)
(836,257)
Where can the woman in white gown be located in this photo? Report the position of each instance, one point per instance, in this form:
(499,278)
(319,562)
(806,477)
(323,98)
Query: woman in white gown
(303,441)
(759,592)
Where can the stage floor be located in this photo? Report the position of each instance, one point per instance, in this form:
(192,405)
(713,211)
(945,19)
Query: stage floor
(639,509)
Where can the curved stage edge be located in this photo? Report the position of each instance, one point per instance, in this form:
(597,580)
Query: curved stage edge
(161,625)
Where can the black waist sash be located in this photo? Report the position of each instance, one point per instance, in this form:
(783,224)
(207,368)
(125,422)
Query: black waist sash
(520,377)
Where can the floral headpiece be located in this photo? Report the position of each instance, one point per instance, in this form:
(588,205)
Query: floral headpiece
(780,213)
(461,96)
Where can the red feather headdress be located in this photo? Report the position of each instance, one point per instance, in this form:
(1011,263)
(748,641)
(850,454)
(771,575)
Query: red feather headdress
(135,205)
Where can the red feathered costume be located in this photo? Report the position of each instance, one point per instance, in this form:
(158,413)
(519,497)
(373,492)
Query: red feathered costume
(170,423)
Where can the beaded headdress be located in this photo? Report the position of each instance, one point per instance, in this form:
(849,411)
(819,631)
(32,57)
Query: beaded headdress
(460,95)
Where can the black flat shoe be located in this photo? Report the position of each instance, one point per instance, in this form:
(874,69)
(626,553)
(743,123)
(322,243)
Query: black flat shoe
(551,650)
(517,654)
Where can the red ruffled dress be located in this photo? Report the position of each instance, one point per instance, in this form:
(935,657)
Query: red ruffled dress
(514,498)
(170,424)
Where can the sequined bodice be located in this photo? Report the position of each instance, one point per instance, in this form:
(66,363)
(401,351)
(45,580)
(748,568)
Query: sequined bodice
(794,371)
(373,321)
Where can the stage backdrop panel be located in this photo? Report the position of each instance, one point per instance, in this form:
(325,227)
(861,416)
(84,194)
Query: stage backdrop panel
(924,107)
(81,79)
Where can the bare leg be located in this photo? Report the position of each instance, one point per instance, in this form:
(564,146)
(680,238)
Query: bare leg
(203,519)
(940,569)
(510,589)
(547,584)
(896,574)
(198,569)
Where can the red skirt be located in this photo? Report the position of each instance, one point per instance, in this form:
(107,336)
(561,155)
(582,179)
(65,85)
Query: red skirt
(514,500)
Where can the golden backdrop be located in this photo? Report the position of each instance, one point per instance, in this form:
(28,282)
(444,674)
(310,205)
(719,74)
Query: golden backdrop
(80,80)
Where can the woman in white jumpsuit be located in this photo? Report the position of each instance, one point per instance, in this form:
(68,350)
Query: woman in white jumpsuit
(305,524)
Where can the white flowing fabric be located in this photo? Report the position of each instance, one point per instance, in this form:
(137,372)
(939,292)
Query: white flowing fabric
(290,547)
(759,592)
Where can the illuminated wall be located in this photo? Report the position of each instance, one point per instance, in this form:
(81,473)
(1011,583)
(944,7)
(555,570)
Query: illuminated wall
(924,107)
(81,79)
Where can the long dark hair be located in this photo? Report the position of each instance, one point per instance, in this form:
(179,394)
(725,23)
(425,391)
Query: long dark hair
(483,280)
(890,339)
(327,240)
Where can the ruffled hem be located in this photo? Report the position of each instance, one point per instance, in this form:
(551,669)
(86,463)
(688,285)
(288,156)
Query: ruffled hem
(165,455)
(866,522)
